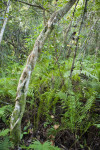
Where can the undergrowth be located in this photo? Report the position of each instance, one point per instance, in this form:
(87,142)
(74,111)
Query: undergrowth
(53,98)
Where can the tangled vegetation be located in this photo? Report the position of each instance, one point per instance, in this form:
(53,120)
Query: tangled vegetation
(63,101)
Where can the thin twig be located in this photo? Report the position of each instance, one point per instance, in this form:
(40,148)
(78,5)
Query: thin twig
(69,27)
(33,5)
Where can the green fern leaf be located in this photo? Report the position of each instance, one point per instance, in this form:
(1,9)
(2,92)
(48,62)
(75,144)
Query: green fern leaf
(4,132)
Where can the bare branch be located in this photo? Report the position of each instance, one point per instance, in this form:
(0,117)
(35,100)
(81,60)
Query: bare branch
(33,5)
(77,40)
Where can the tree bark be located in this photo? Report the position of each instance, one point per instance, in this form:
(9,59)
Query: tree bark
(5,21)
(17,114)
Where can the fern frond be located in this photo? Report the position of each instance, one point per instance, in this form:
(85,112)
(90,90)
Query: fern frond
(5,144)
(45,146)
(88,74)
(4,132)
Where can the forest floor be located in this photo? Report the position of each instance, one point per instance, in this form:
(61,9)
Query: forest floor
(64,139)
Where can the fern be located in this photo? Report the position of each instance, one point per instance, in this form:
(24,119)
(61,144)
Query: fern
(45,146)
(4,132)
(2,110)
(5,112)
(77,112)
(5,143)
(86,108)
(8,87)
(88,74)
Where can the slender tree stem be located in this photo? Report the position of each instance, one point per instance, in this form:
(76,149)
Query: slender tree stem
(77,40)
(5,22)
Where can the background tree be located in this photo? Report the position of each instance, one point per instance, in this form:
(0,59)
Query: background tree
(5,21)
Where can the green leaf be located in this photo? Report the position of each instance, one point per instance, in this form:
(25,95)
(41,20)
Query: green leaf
(97,125)
(4,132)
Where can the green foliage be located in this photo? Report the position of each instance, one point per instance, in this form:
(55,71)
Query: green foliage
(39,146)
(5,144)
(52,87)
(4,132)
(76,113)
(9,80)
(8,87)
(97,125)
(51,91)
(30,40)
(5,112)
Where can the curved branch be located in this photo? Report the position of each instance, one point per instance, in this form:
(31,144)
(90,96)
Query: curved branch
(33,5)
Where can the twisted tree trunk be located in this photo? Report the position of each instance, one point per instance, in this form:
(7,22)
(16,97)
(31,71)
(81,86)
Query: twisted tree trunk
(17,114)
